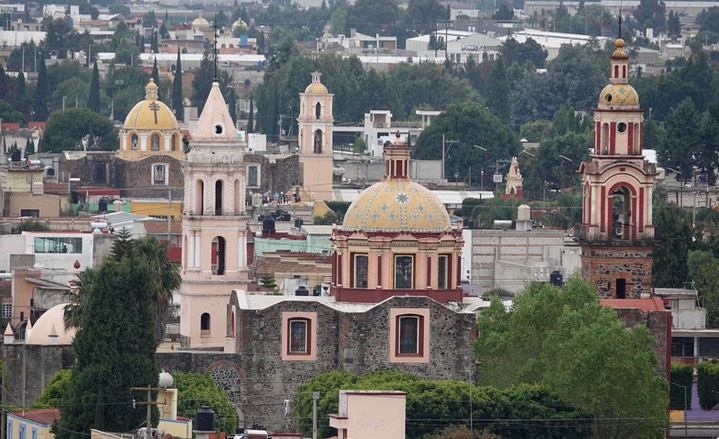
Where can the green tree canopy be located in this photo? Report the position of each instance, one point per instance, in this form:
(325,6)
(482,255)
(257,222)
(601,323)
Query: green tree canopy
(198,389)
(435,405)
(65,131)
(563,338)
(470,124)
(119,303)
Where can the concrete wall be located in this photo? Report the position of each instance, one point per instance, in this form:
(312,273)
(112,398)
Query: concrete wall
(48,206)
(33,369)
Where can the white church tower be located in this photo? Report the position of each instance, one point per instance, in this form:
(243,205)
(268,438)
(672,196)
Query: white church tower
(315,139)
(214,244)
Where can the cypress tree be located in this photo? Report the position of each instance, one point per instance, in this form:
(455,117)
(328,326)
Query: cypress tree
(20,91)
(156,77)
(177,105)
(153,43)
(41,91)
(29,147)
(232,105)
(251,117)
(93,100)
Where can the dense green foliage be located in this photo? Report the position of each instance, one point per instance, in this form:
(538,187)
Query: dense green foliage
(708,384)
(66,130)
(680,389)
(197,389)
(670,256)
(54,394)
(434,405)
(115,347)
(563,339)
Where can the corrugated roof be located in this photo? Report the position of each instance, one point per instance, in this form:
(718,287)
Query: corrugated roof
(40,416)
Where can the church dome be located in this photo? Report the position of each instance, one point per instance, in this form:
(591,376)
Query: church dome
(397,206)
(316,87)
(151,113)
(614,95)
(51,323)
(239,26)
(200,23)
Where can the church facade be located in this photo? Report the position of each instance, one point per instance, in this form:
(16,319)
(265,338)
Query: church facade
(394,302)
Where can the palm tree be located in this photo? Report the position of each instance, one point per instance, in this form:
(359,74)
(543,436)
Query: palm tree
(165,279)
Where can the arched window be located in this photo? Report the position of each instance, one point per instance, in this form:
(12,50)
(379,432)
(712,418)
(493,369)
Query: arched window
(155,142)
(624,71)
(635,139)
(218,256)
(205,325)
(299,337)
(318,110)
(605,138)
(443,271)
(199,197)
(174,142)
(219,193)
(616,71)
(134,141)
(318,142)
(409,335)
(237,207)
(232,324)
(621,214)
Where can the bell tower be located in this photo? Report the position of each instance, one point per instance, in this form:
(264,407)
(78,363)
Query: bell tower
(214,244)
(315,123)
(617,233)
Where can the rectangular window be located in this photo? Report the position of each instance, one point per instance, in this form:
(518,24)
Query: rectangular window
(299,337)
(403,272)
(34,433)
(360,271)
(22,431)
(58,245)
(159,174)
(409,335)
(7,310)
(100,173)
(35,213)
(442,264)
(252,176)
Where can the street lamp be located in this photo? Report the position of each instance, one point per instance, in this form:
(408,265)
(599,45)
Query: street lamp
(681,187)
(686,434)
(563,159)
(481,182)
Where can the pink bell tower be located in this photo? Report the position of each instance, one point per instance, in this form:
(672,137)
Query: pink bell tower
(617,233)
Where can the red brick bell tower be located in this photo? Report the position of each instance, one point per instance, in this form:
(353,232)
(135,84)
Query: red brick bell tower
(617,234)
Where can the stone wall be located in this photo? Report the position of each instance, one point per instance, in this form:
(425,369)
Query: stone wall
(357,342)
(602,265)
(33,368)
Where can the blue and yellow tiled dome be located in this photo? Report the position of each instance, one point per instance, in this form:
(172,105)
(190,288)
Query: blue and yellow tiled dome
(397,206)
(618,95)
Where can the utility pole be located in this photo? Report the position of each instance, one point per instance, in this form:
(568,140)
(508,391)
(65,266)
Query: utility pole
(315,397)
(149,405)
(169,216)
(2,384)
(445,150)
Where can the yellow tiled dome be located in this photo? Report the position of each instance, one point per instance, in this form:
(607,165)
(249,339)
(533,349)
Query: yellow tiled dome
(200,23)
(618,95)
(151,114)
(397,206)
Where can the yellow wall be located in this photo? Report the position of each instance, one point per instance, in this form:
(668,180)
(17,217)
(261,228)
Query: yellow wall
(182,429)
(156,208)
(43,432)
(21,181)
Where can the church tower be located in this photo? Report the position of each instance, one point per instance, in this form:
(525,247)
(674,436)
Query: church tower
(214,244)
(315,139)
(617,234)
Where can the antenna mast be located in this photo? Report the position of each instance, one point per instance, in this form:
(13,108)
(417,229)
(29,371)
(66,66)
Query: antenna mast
(214,25)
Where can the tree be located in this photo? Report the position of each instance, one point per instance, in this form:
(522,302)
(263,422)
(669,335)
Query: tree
(470,124)
(156,77)
(198,389)
(66,130)
(504,13)
(165,280)
(670,256)
(20,94)
(54,394)
(93,100)
(708,384)
(115,347)
(423,14)
(177,104)
(154,43)
(498,90)
(563,338)
(372,16)
(268,281)
(433,405)
(673,25)
(650,14)
(202,82)
(29,147)
(251,117)
(150,19)
(41,91)
(232,105)
(683,127)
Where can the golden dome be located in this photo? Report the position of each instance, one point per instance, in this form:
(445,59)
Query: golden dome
(151,114)
(618,95)
(316,87)
(200,23)
(239,26)
(397,205)
(619,49)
